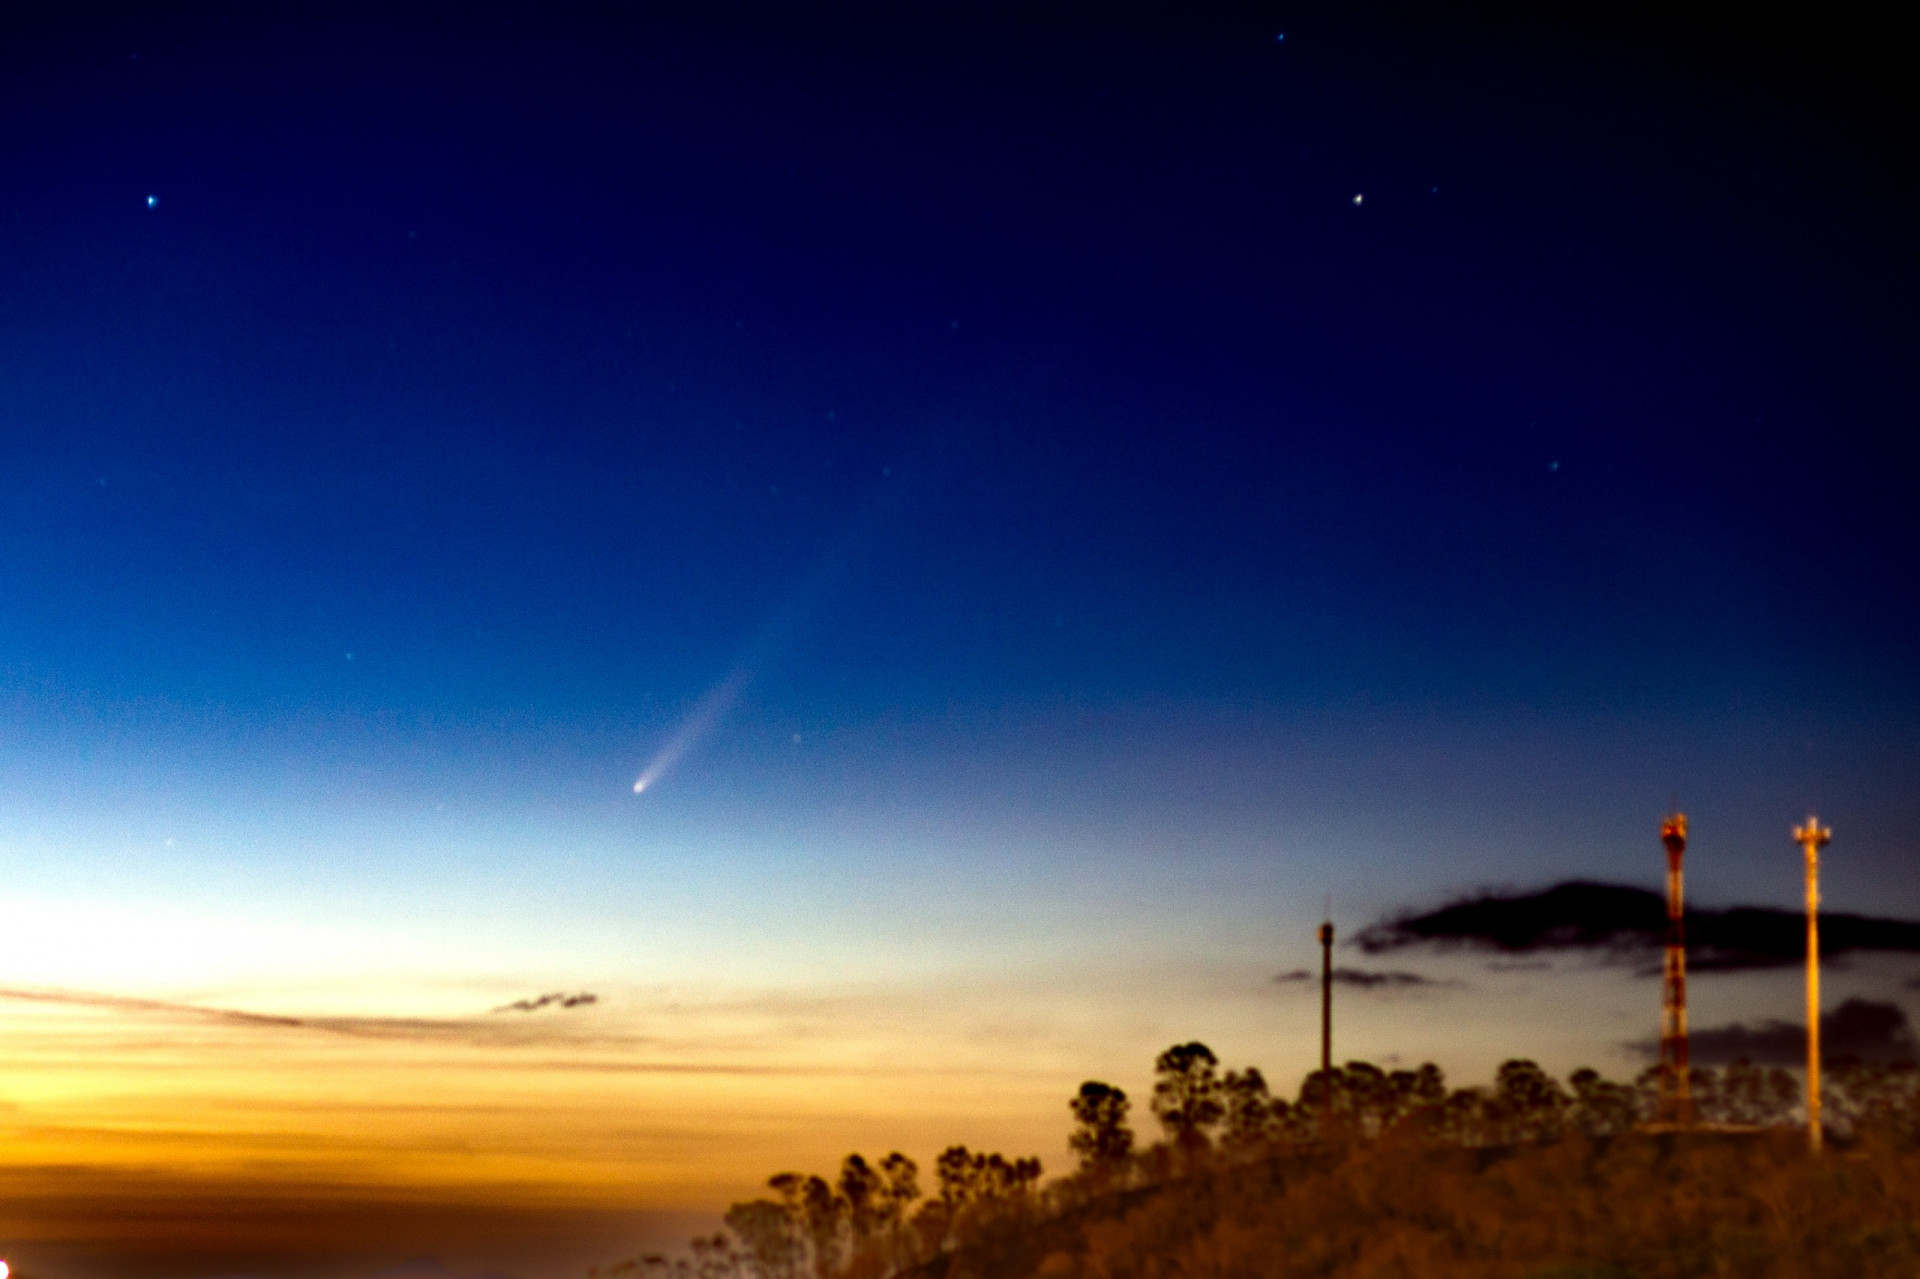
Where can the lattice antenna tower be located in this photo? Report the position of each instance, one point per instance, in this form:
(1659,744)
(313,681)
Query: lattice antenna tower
(1676,1092)
(1812,838)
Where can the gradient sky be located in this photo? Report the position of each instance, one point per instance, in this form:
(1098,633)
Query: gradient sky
(1061,492)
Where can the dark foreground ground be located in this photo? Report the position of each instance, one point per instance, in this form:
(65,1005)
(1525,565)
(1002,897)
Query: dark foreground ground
(1635,1207)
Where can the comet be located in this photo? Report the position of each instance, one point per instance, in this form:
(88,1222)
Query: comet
(699,721)
(829,568)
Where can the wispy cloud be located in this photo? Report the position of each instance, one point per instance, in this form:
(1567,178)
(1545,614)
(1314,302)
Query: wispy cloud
(468,1029)
(1362,979)
(130,1004)
(749,1036)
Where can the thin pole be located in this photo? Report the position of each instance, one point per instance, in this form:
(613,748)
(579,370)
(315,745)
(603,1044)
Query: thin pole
(1326,1017)
(1812,837)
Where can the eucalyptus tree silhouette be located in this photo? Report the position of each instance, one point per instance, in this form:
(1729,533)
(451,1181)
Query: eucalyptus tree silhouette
(1101,1137)
(1186,1095)
(769,1238)
(1252,1113)
(1527,1104)
(820,1213)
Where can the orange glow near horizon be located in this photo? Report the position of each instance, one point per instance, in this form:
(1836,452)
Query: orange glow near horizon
(630,1125)
(162,1136)
(566,1108)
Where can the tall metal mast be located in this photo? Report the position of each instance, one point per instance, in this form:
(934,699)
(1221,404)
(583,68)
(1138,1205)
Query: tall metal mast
(1812,837)
(1676,1091)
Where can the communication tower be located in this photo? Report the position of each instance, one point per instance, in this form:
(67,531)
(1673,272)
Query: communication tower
(1812,838)
(1676,1093)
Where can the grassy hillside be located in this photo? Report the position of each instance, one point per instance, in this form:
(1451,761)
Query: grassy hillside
(1632,1207)
(1369,1174)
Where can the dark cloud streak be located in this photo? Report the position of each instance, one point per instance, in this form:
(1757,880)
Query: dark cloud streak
(1628,921)
(556,999)
(1361,979)
(1860,1029)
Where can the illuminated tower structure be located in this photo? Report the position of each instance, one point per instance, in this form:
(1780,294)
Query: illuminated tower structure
(1676,1093)
(1813,837)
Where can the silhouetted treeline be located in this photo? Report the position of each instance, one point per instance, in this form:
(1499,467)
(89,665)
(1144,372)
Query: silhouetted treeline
(1372,1172)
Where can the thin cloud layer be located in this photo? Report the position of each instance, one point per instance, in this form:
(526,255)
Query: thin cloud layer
(1619,918)
(453,1029)
(1859,1029)
(1361,978)
(129,1004)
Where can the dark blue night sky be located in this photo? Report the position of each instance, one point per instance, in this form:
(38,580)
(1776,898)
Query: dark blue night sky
(517,356)
(1143,469)
(1046,360)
